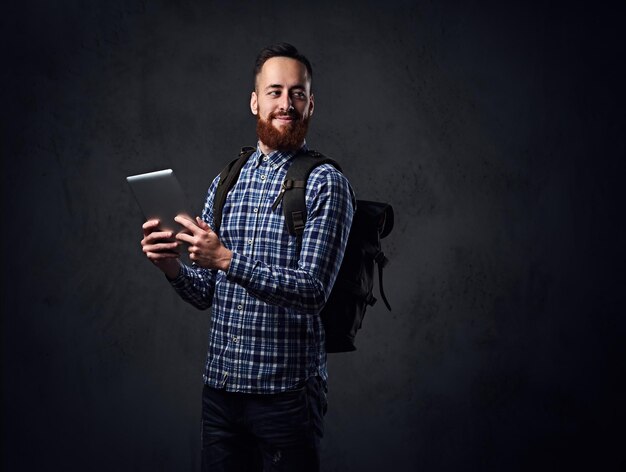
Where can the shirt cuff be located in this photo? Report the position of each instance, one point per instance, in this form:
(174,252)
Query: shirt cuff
(241,270)
(179,280)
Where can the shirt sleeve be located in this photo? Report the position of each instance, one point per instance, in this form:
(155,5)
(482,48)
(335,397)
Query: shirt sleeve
(330,209)
(194,284)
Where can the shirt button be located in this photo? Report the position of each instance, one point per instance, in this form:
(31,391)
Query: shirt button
(265,158)
(256,210)
(235,339)
(240,307)
(262,176)
(249,241)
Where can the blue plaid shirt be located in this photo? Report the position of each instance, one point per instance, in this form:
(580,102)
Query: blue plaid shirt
(266,335)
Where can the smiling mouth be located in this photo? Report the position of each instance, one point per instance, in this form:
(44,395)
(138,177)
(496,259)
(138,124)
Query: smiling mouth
(284,120)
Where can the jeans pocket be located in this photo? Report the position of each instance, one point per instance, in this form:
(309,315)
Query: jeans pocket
(316,404)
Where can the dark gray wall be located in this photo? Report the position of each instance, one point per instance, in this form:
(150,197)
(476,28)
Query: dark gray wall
(497,133)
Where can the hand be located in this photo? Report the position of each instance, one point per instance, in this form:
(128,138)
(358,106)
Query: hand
(162,253)
(205,248)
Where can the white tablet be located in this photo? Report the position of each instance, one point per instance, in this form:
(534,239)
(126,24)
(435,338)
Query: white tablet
(160,197)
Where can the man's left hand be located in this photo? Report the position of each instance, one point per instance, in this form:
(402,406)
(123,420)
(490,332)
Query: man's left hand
(205,248)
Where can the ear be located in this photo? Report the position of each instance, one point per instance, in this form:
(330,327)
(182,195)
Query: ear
(311,105)
(254,104)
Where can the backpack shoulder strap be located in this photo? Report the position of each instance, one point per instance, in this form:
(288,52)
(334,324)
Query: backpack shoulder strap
(228,178)
(293,190)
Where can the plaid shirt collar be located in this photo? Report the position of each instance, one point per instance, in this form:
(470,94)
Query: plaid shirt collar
(277,159)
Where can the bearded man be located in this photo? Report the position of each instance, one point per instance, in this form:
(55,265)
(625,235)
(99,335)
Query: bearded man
(265,378)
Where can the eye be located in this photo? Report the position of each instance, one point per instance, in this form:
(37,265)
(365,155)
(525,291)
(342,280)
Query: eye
(299,95)
(274,93)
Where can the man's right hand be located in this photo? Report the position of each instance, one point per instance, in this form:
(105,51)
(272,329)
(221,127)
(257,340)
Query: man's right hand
(163,254)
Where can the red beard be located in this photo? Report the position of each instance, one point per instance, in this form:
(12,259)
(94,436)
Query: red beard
(288,139)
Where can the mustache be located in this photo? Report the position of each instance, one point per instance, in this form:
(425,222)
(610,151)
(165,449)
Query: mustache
(291,114)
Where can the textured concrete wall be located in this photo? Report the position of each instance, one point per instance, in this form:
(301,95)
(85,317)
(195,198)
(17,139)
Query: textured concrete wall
(496,132)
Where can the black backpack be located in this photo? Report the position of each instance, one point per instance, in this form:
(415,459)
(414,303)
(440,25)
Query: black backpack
(343,313)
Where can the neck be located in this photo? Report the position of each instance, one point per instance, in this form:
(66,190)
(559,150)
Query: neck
(266,149)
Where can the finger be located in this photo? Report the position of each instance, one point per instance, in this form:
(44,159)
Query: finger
(157,236)
(187,223)
(150,223)
(202,224)
(160,256)
(149,226)
(161,247)
(187,238)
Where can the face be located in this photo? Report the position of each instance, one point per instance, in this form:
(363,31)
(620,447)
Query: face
(283,103)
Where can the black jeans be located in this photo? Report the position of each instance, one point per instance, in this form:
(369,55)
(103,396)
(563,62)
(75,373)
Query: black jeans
(273,432)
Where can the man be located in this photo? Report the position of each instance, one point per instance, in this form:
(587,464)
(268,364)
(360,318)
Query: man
(265,377)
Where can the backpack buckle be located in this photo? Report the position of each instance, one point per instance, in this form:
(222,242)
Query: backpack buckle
(381,259)
(298,222)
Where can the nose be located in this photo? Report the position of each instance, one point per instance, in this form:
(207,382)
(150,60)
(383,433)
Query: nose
(286,104)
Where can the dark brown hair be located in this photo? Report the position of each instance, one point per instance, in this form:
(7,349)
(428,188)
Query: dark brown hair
(280,50)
